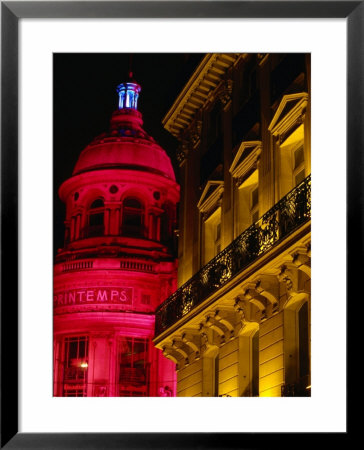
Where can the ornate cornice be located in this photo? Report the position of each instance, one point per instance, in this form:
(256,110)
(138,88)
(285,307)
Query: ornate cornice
(206,78)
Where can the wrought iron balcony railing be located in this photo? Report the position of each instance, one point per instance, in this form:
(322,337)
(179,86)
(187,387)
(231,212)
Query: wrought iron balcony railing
(292,211)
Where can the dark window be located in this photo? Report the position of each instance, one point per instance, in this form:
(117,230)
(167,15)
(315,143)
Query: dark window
(285,74)
(95,226)
(246,119)
(214,124)
(132,218)
(211,161)
(217,368)
(168,225)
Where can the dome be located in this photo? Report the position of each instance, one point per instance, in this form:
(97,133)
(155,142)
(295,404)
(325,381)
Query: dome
(126,145)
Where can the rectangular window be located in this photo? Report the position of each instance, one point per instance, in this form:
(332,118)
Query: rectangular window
(292,161)
(298,157)
(247,202)
(133,367)
(299,177)
(212,235)
(75,366)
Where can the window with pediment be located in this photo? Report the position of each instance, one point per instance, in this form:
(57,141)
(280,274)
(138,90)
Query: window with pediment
(292,151)
(245,173)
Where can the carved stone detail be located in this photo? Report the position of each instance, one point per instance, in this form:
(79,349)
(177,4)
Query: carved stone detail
(193,342)
(195,133)
(182,152)
(170,353)
(225,94)
(302,260)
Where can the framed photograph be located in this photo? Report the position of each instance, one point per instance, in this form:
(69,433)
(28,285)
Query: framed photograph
(233,96)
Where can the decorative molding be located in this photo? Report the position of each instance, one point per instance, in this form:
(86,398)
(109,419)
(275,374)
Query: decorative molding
(290,112)
(225,92)
(246,158)
(193,341)
(205,79)
(301,258)
(262,58)
(182,153)
(171,354)
(195,133)
(211,196)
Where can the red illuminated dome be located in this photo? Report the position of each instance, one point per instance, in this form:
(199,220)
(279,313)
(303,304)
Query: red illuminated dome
(118,263)
(126,144)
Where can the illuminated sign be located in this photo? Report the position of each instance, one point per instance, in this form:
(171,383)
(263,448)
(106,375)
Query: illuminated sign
(118,295)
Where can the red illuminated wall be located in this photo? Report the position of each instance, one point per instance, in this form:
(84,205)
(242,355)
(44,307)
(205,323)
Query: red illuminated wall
(117,263)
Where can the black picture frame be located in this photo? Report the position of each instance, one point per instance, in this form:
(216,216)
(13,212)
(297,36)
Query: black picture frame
(11,12)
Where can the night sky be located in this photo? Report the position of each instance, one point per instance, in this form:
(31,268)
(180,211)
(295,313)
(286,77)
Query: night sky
(84,89)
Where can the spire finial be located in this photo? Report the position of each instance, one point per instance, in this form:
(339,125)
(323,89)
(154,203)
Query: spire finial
(129,91)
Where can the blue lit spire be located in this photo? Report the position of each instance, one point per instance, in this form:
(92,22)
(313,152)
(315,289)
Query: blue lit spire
(128,94)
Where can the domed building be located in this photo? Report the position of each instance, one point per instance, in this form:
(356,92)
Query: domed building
(117,263)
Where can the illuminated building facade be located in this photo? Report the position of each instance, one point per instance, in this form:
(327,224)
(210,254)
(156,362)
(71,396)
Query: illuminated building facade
(117,263)
(239,323)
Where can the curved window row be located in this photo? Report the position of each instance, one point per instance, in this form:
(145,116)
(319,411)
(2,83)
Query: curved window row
(130,218)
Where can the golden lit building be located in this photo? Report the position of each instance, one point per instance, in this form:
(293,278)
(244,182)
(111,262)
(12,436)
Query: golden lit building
(239,323)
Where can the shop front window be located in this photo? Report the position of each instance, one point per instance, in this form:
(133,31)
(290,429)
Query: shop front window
(75,366)
(133,367)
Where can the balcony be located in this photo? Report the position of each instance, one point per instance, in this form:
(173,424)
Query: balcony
(286,216)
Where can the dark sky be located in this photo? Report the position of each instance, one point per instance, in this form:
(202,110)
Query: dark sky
(84,94)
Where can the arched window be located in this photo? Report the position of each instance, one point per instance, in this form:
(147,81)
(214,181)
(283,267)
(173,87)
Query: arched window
(132,223)
(95,223)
